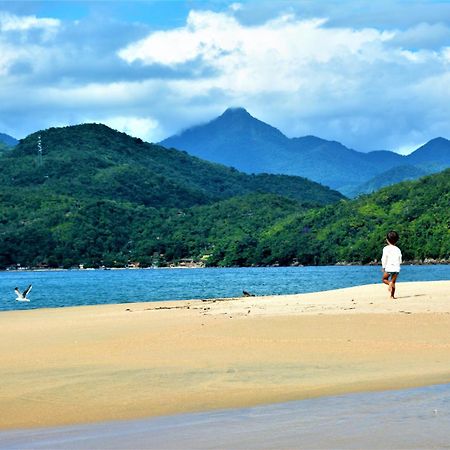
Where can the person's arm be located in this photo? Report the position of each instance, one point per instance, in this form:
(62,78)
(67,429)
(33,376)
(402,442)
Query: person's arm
(384,259)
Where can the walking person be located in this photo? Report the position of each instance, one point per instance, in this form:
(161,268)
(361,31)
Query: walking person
(390,262)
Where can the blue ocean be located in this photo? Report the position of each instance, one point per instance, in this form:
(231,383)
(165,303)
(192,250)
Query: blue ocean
(53,288)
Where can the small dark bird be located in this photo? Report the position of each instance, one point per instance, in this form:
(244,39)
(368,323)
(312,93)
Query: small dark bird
(248,294)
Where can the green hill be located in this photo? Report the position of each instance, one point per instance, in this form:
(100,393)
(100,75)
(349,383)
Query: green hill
(4,147)
(354,230)
(262,229)
(94,161)
(226,233)
(99,197)
(102,197)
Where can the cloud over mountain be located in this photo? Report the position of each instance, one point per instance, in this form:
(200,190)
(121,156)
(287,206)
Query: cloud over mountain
(307,70)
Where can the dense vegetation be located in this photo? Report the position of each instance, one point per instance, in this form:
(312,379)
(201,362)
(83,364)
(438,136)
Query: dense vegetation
(4,147)
(268,230)
(99,197)
(227,233)
(354,231)
(93,161)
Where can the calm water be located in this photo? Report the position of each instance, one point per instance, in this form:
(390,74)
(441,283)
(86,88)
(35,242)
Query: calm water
(91,287)
(405,419)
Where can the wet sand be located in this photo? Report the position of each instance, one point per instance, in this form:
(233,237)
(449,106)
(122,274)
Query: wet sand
(417,418)
(97,363)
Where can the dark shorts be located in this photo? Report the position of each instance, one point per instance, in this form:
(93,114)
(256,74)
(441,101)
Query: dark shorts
(393,273)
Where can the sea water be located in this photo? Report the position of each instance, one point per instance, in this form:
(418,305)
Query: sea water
(93,287)
(404,419)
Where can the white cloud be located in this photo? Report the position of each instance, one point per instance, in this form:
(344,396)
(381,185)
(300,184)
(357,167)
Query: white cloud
(101,94)
(7,57)
(11,22)
(220,40)
(18,49)
(236,6)
(368,87)
(408,147)
(304,76)
(143,127)
(284,55)
(206,34)
(446,54)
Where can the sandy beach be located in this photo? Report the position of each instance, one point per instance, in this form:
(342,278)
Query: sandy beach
(97,363)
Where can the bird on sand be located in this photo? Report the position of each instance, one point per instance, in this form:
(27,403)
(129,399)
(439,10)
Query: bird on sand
(22,296)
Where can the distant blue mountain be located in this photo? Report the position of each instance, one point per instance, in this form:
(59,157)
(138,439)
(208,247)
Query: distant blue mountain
(391,176)
(435,152)
(235,139)
(8,140)
(240,140)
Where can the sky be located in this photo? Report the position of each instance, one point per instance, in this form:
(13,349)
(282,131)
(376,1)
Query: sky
(371,75)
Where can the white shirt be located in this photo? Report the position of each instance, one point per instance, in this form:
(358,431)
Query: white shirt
(391,259)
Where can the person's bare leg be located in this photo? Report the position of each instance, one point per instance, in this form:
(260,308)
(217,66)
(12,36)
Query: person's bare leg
(392,285)
(385,280)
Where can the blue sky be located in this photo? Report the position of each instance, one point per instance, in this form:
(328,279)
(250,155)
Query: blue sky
(160,14)
(372,75)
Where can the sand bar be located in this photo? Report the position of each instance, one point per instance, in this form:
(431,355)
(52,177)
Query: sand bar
(95,363)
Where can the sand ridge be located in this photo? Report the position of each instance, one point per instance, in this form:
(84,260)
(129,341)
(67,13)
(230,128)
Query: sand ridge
(94,363)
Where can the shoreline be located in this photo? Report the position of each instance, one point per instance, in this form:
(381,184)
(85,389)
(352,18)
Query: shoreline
(425,262)
(407,418)
(123,361)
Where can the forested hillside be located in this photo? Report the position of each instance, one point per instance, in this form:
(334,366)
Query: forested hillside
(4,147)
(241,232)
(228,232)
(100,197)
(354,230)
(94,161)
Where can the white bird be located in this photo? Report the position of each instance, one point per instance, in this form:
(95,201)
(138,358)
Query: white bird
(22,297)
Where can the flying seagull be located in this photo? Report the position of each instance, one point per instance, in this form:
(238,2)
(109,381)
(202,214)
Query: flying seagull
(22,297)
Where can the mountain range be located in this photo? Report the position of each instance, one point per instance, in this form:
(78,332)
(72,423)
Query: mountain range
(7,141)
(98,196)
(239,140)
(95,160)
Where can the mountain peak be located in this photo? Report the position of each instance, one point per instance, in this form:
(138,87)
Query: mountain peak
(236,111)
(438,140)
(435,151)
(236,139)
(237,120)
(235,114)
